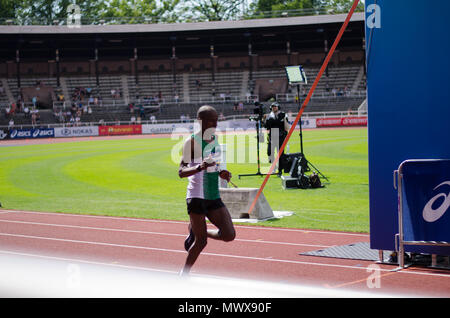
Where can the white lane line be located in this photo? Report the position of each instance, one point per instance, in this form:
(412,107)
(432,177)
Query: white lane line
(56,258)
(152,233)
(91,243)
(96,216)
(220,255)
(186,222)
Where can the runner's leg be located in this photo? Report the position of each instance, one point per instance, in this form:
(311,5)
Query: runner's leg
(222,220)
(198,224)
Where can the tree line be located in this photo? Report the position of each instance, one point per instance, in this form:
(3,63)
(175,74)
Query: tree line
(166,11)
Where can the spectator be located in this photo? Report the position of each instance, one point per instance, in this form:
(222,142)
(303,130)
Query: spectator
(20,104)
(247,96)
(34,101)
(115,93)
(11,123)
(34,116)
(61,116)
(73,109)
(304,92)
(26,111)
(141,112)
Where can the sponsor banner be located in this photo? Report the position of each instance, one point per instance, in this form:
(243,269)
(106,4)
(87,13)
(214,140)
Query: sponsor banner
(222,126)
(344,121)
(3,134)
(426,200)
(167,128)
(119,130)
(240,124)
(306,122)
(32,133)
(246,124)
(354,121)
(82,131)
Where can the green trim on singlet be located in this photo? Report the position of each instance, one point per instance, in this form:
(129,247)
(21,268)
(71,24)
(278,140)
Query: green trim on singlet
(210,179)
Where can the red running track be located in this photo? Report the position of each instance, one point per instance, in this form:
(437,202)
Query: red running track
(258,253)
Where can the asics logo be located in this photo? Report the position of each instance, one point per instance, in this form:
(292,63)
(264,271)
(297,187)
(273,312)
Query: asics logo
(432,215)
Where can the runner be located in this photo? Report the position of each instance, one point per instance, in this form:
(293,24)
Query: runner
(199,165)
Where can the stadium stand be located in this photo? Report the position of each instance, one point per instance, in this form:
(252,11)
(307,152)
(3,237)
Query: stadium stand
(342,90)
(231,75)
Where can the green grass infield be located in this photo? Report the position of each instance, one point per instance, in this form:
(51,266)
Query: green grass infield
(138,177)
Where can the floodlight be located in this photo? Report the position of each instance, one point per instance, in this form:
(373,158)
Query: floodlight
(296,75)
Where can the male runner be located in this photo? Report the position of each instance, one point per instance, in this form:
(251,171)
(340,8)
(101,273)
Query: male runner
(203,197)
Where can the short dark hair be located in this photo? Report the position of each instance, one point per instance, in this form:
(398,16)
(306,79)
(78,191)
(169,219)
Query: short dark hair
(205,110)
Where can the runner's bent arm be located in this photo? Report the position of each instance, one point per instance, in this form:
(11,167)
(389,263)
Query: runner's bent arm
(184,170)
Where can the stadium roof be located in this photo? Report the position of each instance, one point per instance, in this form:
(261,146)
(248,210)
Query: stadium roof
(267,36)
(179,27)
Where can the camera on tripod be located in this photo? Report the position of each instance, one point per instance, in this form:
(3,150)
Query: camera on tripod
(258,111)
(296,165)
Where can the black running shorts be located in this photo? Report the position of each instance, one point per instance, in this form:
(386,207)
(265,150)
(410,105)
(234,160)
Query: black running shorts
(202,206)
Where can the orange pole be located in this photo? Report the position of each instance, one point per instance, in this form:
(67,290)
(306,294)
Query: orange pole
(305,103)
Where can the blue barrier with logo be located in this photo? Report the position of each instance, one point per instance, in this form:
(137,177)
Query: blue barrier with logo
(425,200)
(407,47)
(32,133)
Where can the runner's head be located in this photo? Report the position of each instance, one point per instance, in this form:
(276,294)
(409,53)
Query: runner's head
(207,116)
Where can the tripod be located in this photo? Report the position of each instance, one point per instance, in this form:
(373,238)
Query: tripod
(301,138)
(258,173)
